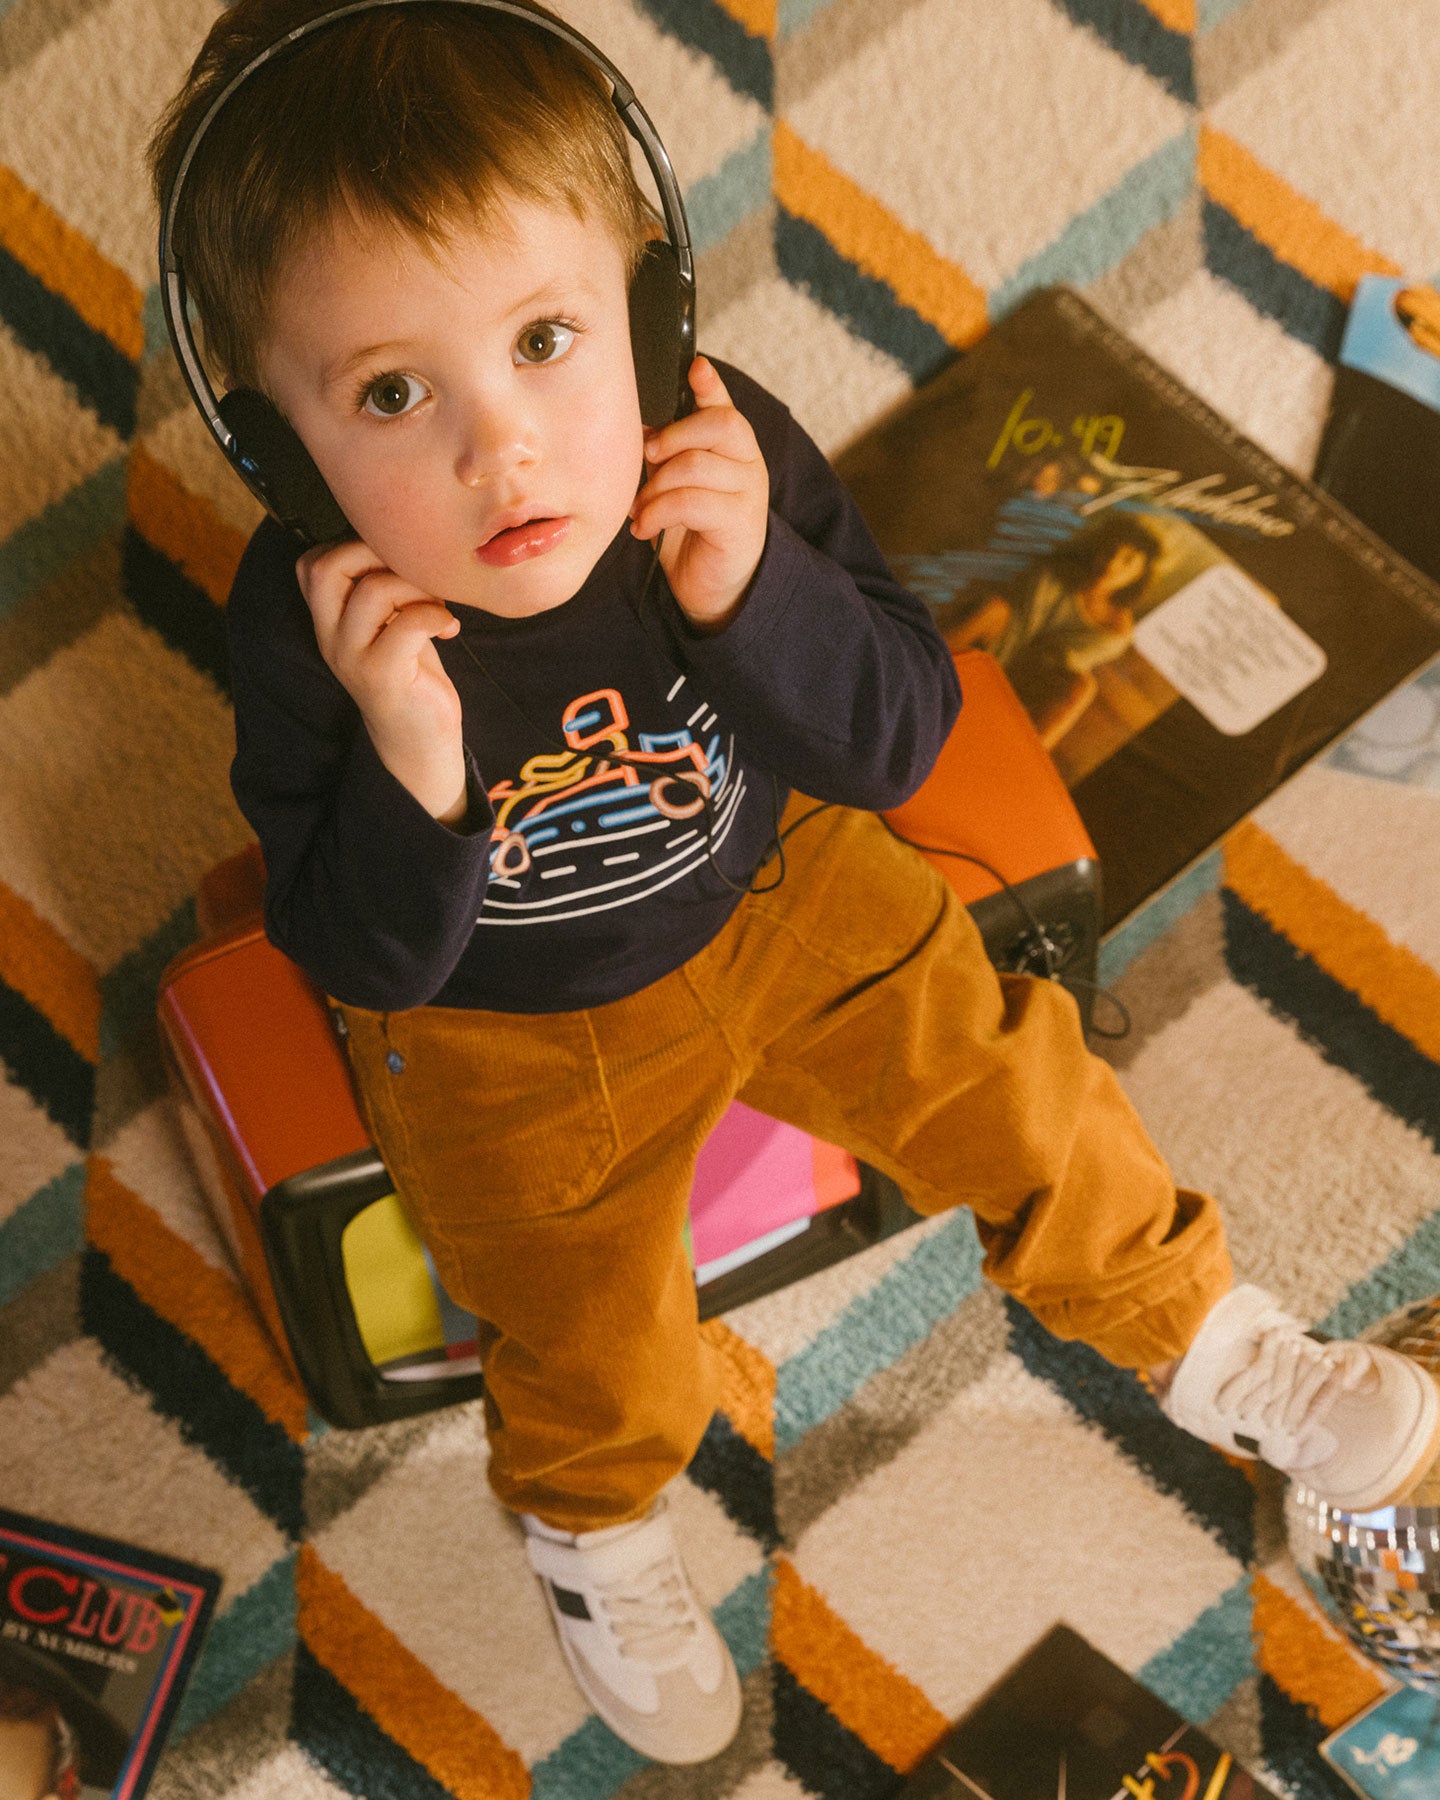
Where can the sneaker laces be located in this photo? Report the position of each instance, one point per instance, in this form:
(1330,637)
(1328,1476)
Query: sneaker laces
(1284,1394)
(651,1613)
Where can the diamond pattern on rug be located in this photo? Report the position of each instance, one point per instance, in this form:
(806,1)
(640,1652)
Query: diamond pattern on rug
(1333,82)
(1044,156)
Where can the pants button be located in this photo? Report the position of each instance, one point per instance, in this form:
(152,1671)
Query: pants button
(394,1062)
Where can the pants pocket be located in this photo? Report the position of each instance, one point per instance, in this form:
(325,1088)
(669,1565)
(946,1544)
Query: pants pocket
(487,1116)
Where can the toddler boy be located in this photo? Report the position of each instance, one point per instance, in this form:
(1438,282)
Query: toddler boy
(516,786)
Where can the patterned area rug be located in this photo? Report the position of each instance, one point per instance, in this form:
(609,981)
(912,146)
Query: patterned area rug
(909,1481)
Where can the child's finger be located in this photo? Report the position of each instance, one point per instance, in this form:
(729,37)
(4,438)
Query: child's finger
(331,579)
(696,468)
(706,385)
(332,568)
(718,428)
(370,605)
(697,509)
(406,632)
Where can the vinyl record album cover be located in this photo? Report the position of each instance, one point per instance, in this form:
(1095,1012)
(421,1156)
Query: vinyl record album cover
(97,1639)
(1392,1750)
(1066,1723)
(1380,454)
(1186,621)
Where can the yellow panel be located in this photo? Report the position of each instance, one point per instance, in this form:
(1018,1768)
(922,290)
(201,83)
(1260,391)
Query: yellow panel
(389,1283)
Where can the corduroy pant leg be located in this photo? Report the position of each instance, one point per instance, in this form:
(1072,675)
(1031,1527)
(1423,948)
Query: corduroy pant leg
(880,1025)
(547,1160)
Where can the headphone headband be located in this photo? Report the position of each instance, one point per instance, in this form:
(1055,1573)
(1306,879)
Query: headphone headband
(634,117)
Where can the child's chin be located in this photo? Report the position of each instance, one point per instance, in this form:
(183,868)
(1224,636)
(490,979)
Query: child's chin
(536,592)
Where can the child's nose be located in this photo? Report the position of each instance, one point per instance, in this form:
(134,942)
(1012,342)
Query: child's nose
(494,440)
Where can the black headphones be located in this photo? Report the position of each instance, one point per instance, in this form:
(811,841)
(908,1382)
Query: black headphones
(263,448)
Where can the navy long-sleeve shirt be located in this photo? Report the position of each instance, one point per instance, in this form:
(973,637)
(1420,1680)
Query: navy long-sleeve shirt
(585,866)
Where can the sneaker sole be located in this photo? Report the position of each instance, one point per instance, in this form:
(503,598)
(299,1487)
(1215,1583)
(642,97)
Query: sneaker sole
(624,1726)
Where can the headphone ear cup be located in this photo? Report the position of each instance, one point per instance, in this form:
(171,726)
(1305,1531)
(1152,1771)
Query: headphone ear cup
(279,470)
(662,334)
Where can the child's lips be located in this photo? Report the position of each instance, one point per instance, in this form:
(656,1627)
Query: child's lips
(518,543)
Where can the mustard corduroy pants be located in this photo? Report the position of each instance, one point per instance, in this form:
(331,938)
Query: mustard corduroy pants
(547,1158)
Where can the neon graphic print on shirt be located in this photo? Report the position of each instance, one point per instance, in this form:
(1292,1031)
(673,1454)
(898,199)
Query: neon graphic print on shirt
(608,822)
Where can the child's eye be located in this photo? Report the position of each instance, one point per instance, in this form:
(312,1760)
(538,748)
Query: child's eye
(544,341)
(390,395)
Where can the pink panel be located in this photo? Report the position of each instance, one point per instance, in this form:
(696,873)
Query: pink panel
(752,1176)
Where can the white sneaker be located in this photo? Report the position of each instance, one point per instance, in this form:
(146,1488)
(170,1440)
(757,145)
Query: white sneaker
(1357,1423)
(642,1649)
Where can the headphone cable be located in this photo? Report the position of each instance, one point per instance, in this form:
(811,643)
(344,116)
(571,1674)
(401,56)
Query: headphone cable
(1036,938)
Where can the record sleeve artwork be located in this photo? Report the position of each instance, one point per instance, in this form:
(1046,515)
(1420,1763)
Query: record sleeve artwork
(1066,1723)
(97,1640)
(1186,622)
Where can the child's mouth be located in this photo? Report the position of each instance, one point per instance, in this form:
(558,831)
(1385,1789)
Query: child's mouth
(517,543)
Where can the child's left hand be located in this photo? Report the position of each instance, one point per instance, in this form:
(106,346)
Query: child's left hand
(709,491)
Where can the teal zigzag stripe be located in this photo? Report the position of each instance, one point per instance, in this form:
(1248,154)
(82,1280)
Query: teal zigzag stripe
(1155,918)
(795,15)
(1094,241)
(254,1629)
(1201,1669)
(1210,13)
(876,1328)
(717,203)
(42,1232)
(57,537)
(1408,1274)
(590,1765)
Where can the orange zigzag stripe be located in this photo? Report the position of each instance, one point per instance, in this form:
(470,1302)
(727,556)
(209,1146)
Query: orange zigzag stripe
(69,265)
(861,228)
(51,974)
(461,1750)
(747,1386)
(1392,981)
(868,1695)
(182,525)
(1293,227)
(1178,15)
(174,1280)
(759,17)
(1308,1662)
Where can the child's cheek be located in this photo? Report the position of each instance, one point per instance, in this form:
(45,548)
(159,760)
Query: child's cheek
(604,445)
(397,514)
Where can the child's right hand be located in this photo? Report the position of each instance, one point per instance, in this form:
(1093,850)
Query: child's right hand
(374,630)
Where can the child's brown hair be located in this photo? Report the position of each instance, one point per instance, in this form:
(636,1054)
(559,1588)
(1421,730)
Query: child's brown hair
(418,117)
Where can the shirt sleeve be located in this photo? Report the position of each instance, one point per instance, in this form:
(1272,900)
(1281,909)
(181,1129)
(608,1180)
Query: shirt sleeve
(368,893)
(832,672)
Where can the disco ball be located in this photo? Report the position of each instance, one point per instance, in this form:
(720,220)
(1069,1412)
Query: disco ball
(1377,1574)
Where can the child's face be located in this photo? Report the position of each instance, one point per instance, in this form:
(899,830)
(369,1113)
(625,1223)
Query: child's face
(473,411)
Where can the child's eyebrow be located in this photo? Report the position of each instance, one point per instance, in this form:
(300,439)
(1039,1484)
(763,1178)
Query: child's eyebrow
(334,372)
(551,292)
